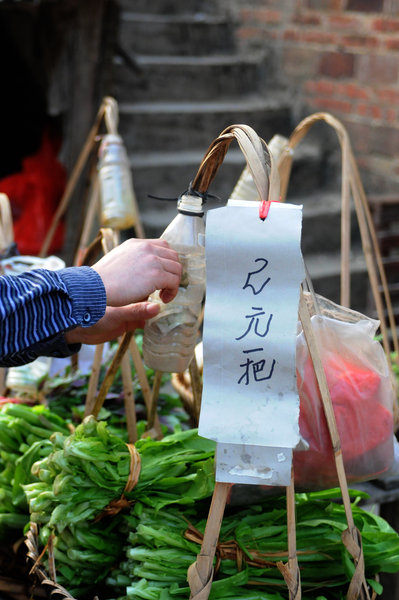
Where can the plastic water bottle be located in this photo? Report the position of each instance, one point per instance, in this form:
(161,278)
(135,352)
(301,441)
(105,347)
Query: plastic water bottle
(118,204)
(170,337)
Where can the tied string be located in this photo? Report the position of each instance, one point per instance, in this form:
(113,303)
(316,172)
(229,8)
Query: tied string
(115,506)
(191,192)
(230,550)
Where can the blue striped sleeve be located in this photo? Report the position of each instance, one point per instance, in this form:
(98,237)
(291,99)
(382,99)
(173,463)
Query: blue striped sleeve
(39,305)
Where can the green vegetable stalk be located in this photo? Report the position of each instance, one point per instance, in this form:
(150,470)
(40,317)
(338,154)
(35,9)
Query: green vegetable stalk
(24,439)
(251,543)
(88,470)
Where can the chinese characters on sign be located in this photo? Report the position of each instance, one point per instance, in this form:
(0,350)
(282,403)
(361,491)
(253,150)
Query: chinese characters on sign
(254,271)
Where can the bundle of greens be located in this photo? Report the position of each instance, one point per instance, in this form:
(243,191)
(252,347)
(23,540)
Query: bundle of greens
(24,439)
(89,469)
(84,553)
(158,554)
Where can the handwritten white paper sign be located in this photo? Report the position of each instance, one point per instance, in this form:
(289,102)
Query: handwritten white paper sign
(254,270)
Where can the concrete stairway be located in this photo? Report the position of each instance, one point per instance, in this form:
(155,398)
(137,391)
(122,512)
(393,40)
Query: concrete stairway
(188,85)
(179,81)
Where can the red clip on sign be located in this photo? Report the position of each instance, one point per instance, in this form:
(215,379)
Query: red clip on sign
(264,208)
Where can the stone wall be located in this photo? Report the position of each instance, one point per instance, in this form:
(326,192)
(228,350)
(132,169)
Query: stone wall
(339,56)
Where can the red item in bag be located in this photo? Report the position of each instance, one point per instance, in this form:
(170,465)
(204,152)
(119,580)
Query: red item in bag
(361,395)
(34,195)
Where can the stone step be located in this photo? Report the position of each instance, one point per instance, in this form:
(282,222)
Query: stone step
(198,34)
(170,7)
(160,126)
(189,77)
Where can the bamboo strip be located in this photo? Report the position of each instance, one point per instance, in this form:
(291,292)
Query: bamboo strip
(89,221)
(360,194)
(151,415)
(130,405)
(144,384)
(196,386)
(200,573)
(360,583)
(73,180)
(294,586)
(93,380)
(141,374)
(351,183)
(111,372)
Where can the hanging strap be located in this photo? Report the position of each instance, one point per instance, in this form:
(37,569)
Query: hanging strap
(259,161)
(351,185)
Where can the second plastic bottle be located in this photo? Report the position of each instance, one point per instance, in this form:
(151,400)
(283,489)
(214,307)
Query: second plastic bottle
(170,337)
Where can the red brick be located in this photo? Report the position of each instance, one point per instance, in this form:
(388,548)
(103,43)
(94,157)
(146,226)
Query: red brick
(331,105)
(307,19)
(354,91)
(267,16)
(325,88)
(387,25)
(320,87)
(343,22)
(369,110)
(292,35)
(360,41)
(389,95)
(337,64)
(391,115)
(319,37)
(365,5)
(392,44)
(377,69)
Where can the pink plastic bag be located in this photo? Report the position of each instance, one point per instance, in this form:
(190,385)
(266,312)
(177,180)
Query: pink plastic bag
(362,394)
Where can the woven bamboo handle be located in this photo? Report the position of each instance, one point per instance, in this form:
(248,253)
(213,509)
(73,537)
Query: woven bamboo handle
(351,184)
(285,168)
(257,155)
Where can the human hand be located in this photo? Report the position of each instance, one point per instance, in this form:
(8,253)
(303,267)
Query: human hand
(115,322)
(136,268)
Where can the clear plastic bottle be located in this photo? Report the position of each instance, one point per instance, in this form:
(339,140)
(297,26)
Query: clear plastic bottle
(118,204)
(170,337)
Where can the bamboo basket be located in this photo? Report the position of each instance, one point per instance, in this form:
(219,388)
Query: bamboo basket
(200,574)
(37,571)
(260,164)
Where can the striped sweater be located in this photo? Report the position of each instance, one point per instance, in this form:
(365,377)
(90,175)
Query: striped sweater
(38,306)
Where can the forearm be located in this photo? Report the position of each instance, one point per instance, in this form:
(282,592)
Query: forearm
(37,306)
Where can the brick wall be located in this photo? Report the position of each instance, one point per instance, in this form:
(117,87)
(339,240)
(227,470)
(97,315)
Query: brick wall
(339,56)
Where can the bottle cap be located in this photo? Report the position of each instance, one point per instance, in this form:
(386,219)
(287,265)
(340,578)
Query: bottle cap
(190,204)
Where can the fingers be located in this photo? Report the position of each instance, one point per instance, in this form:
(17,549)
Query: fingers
(137,268)
(115,322)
